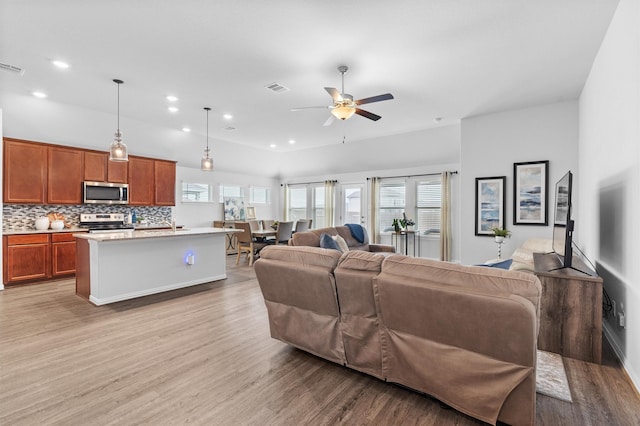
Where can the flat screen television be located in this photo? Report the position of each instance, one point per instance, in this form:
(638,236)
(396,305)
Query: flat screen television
(562,223)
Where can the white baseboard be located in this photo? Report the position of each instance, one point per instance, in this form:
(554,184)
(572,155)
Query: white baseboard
(635,378)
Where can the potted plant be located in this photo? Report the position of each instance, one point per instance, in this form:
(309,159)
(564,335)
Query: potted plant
(396,225)
(274,225)
(407,223)
(500,234)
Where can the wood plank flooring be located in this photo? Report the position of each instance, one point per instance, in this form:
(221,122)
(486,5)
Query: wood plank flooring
(203,356)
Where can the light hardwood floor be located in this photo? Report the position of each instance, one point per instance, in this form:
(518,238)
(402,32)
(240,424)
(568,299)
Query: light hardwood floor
(203,356)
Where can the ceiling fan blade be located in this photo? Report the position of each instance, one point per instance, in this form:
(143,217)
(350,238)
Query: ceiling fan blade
(378,98)
(329,121)
(367,114)
(312,107)
(333,92)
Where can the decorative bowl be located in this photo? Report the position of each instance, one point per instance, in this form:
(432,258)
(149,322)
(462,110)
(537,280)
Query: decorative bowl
(57,224)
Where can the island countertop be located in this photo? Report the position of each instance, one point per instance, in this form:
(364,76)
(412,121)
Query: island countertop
(154,233)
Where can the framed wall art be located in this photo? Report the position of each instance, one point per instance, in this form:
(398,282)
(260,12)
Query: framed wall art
(251,213)
(530,193)
(490,204)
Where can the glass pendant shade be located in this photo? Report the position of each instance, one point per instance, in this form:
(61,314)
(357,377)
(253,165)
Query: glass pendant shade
(343,112)
(206,164)
(118,150)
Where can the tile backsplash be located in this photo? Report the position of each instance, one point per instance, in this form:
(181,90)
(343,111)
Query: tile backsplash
(16,217)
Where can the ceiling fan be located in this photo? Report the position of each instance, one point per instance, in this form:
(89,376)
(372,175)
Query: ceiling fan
(343,104)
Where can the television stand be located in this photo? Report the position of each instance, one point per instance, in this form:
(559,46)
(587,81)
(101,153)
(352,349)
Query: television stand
(569,267)
(570,308)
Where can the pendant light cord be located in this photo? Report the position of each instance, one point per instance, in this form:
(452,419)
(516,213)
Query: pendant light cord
(207,109)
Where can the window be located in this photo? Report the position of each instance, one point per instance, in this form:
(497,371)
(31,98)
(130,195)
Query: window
(318,207)
(392,204)
(196,193)
(259,195)
(297,203)
(233,191)
(428,200)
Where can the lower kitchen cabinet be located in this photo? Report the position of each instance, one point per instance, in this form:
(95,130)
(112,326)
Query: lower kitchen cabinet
(38,257)
(26,258)
(63,254)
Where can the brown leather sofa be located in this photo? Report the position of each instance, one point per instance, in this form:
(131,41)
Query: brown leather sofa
(464,334)
(311,238)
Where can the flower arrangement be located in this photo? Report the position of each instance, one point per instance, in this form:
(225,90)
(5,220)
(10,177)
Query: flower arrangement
(274,225)
(406,222)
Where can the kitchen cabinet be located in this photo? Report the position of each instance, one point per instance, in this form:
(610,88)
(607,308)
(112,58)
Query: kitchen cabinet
(95,166)
(165,180)
(141,181)
(26,258)
(117,171)
(63,254)
(65,173)
(25,172)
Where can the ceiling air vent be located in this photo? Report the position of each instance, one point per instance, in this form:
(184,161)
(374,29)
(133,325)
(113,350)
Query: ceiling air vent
(11,69)
(229,128)
(276,87)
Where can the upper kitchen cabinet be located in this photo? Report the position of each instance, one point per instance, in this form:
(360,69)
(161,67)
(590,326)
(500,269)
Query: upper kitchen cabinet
(141,181)
(165,178)
(65,175)
(98,168)
(25,172)
(117,171)
(95,166)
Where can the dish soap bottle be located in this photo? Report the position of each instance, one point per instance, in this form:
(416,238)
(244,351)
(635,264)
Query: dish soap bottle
(134,219)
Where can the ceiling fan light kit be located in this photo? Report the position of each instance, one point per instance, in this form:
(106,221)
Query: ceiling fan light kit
(344,107)
(118,150)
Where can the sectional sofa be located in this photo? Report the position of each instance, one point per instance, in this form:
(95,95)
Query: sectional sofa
(462,334)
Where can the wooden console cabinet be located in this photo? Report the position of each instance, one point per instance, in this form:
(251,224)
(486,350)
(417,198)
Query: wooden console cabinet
(570,309)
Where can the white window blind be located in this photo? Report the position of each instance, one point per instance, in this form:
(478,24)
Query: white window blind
(318,206)
(297,203)
(392,204)
(259,195)
(196,193)
(230,191)
(428,200)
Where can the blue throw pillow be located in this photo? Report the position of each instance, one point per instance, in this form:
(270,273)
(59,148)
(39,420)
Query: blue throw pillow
(327,242)
(505,264)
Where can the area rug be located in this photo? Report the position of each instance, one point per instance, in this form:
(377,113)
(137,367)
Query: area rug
(551,379)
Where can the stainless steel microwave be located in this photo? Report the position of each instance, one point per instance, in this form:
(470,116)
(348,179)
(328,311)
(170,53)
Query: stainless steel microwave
(105,193)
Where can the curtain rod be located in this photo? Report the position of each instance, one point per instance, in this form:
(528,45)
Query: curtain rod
(309,183)
(455,172)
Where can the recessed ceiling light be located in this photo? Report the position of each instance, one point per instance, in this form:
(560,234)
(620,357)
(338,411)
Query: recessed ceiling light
(39,95)
(437,119)
(186,129)
(292,141)
(273,145)
(172,98)
(173,109)
(60,64)
(227,116)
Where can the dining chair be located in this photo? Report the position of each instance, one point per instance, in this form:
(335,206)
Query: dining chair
(256,225)
(246,243)
(266,223)
(283,233)
(302,225)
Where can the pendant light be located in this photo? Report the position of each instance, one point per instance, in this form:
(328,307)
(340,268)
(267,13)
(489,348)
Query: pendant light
(206,164)
(345,108)
(118,150)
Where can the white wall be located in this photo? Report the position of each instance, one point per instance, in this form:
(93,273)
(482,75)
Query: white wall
(202,214)
(610,177)
(492,143)
(439,145)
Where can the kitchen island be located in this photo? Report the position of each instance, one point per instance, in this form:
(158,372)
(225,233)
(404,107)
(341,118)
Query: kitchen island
(118,266)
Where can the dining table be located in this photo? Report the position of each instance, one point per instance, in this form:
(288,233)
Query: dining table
(262,234)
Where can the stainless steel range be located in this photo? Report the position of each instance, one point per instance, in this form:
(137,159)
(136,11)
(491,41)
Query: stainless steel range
(104,222)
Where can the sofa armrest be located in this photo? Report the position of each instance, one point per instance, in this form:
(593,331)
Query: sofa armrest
(382,248)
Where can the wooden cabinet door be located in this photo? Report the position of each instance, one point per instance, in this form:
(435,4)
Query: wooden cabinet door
(95,166)
(25,172)
(65,176)
(26,257)
(141,181)
(165,177)
(63,258)
(117,171)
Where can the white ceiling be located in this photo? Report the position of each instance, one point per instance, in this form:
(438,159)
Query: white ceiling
(439,58)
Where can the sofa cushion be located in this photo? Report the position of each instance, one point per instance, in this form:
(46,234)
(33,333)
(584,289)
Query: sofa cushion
(302,256)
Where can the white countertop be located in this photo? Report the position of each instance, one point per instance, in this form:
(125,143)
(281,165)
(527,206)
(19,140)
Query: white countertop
(157,233)
(46,231)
